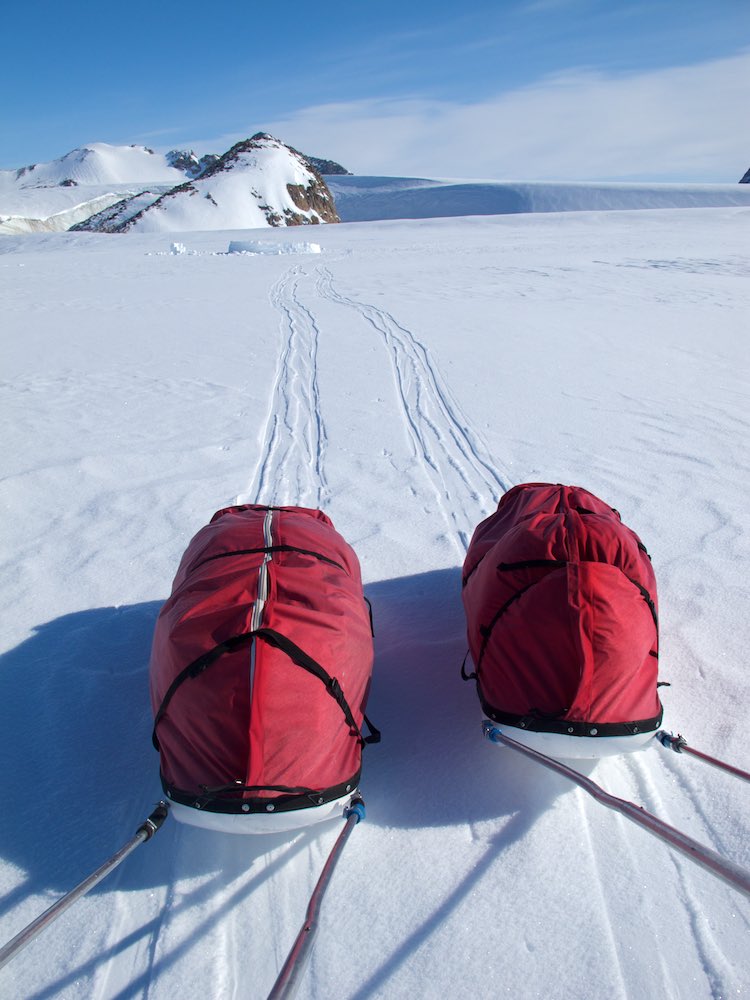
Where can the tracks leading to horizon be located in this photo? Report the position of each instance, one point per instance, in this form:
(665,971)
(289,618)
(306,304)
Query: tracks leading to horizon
(292,463)
(443,448)
(449,451)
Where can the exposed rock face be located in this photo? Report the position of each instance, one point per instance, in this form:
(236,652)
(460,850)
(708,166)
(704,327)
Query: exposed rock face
(186,161)
(329,167)
(113,216)
(208,160)
(314,199)
(746,178)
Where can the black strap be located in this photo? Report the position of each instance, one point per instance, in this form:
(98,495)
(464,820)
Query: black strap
(193,670)
(467,677)
(375,735)
(533,564)
(297,655)
(648,599)
(372,622)
(486,630)
(270,548)
(474,568)
(332,686)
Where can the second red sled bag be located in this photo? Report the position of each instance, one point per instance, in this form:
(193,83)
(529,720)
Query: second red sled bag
(561,611)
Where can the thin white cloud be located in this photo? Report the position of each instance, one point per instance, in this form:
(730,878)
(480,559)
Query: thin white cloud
(684,123)
(544,6)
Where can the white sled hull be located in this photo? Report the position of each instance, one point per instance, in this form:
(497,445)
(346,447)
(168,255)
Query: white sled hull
(563,747)
(260,823)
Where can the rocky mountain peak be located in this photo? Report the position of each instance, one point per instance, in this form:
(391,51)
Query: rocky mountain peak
(186,161)
(259,181)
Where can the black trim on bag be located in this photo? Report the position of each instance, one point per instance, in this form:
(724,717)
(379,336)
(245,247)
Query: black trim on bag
(224,799)
(270,548)
(537,723)
(533,564)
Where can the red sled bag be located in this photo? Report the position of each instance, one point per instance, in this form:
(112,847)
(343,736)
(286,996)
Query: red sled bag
(260,670)
(561,611)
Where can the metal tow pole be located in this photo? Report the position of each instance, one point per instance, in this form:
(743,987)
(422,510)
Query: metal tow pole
(731,873)
(144,832)
(288,980)
(680,745)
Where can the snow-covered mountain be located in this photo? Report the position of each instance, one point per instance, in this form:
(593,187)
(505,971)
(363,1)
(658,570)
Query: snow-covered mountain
(55,196)
(121,181)
(100,163)
(258,182)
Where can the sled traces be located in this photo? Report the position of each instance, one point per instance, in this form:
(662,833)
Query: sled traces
(291,467)
(452,455)
(719,975)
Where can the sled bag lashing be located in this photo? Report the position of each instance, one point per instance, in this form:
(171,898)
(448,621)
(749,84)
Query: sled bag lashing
(261,664)
(562,619)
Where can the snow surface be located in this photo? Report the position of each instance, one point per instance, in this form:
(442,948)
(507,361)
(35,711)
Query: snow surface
(401,380)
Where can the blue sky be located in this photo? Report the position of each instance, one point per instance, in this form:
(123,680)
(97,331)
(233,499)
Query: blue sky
(537,89)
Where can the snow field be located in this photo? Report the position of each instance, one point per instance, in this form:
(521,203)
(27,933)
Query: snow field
(401,380)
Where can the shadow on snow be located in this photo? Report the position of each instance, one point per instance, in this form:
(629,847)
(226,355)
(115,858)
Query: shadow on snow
(81,773)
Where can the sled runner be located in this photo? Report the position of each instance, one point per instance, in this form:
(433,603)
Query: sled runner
(561,612)
(260,671)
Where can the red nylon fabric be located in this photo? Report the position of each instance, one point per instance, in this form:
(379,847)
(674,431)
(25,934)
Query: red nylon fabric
(273,723)
(576,640)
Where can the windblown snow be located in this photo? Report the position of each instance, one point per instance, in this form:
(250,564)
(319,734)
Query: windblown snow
(366,199)
(400,379)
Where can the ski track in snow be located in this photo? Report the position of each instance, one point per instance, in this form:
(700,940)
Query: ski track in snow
(455,459)
(609,932)
(718,974)
(650,974)
(291,468)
